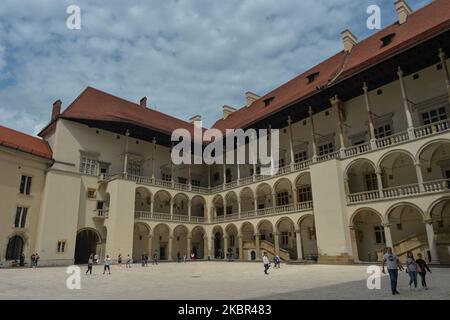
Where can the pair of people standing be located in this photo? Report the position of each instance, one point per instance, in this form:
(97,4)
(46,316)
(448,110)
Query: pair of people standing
(34,260)
(413,267)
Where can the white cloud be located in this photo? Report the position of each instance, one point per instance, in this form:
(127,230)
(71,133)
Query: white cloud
(189,57)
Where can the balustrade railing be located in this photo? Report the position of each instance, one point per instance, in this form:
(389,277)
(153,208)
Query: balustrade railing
(432,128)
(392,140)
(358,149)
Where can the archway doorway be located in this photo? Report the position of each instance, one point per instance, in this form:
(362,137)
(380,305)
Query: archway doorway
(15,248)
(86,244)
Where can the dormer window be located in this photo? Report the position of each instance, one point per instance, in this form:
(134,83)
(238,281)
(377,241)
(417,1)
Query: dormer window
(312,77)
(268,101)
(387,40)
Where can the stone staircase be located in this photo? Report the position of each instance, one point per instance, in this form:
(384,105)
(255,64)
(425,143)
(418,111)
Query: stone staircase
(265,246)
(416,243)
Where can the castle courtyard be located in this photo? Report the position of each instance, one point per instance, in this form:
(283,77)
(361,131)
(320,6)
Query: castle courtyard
(215,280)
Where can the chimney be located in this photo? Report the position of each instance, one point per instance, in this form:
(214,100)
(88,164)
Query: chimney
(196,121)
(143,102)
(403,11)
(250,97)
(56,109)
(349,40)
(227,110)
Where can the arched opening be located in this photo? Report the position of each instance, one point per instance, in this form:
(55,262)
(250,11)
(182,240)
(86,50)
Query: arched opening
(86,244)
(369,235)
(141,236)
(180,238)
(307,228)
(161,235)
(264,196)
(303,186)
(218,206)
(232,203)
(143,198)
(435,163)
(15,248)
(361,176)
(283,192)
(265,229)
(199,243)
(286,231)
(440,215)
(247,200)
(408,230)
(397,169)
(180,204)
(162,202)
(248,241)
(231,242)
(198,207)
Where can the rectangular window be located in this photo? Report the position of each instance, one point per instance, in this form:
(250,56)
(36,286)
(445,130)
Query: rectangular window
(61,247)
(21,217)
(195,183)
(304,194)
(25,185)
(166,177)
(134,168)
(284,238)
(91,193)
(282,198)
(229,210)
(182,180)
(100,205)
(383,131)
(88,166)
(326,148)
(379,234)
(300,156)
(434,115)
(371,181)
(312,233)
(216,177)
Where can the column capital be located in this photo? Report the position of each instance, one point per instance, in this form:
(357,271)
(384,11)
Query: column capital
(257,235)
(289,120)
(428,221)
(365,87)
(386,225)
(297,231)
(335,100)
(310,111)
(399,72)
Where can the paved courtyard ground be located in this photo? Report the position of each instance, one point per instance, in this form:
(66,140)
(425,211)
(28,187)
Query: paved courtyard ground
(214,280)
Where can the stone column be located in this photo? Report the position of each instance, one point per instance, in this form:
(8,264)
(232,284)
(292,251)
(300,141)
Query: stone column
(443,57)
(274,200)
(152,204)
(313,135)
(125,159)
(255,204)
(225,246)
(170,248)
(370,117)
(209,176)
(276,236)
(153,159)
(205,248)
(172,171)
(406,106)
(298,238)
(419,176)
(189,209)
(257,245)
(291,142)
(211,248)
(337,105)
(238,173)
(380,183)
(241,248)
(354,244)
(188,246)
(189,177)
(295,195)
(150,246)
(388,236)
(431,241)
(171,208)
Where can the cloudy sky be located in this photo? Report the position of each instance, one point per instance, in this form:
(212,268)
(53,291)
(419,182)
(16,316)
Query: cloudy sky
(187,56)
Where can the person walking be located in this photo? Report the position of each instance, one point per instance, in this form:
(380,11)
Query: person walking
(36,260)
(143,260)
(107,265)
(193,257)
(411,269)
(178,257)
(184,258)
(423,270)
(128,265)
(278,260)
(96,257)
(266,263)
(22,260)
(33,259)
(90,263)
(146,260)
(390,259)
(155,258)
(119,260)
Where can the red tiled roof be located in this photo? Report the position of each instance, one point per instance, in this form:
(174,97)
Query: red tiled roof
(422,24)
(93,104)
(23,142)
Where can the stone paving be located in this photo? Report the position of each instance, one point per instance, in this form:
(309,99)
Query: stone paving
(214,280)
